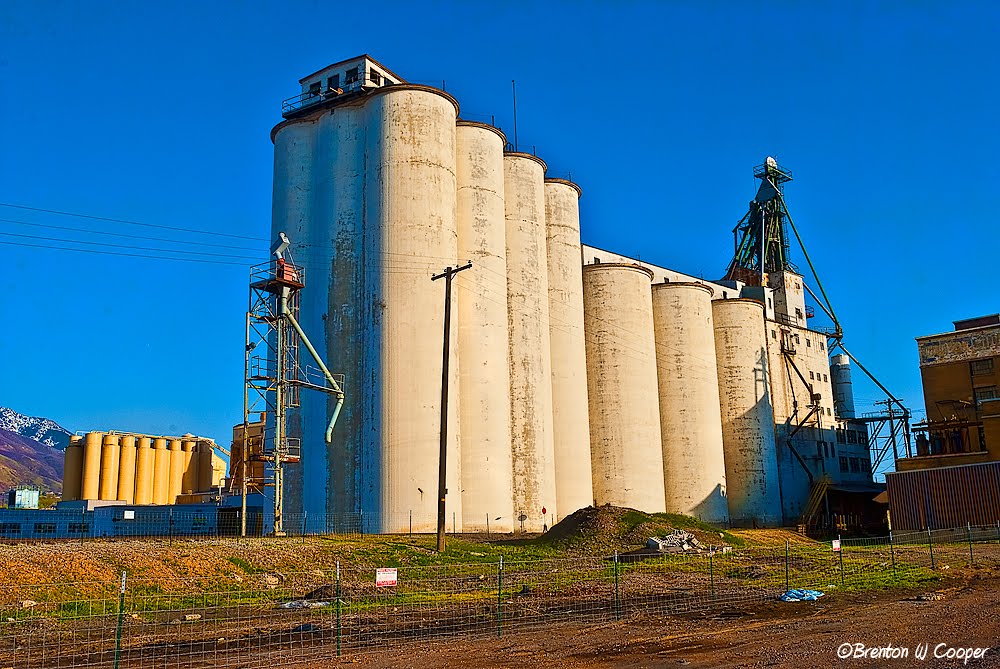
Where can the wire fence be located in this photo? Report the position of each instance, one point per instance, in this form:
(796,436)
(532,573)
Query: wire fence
(258,618)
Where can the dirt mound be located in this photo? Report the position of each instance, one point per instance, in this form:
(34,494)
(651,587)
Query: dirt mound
(607,529)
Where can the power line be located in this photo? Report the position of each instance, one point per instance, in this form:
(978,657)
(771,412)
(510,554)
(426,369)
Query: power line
(120,220)
(126,246)
(116,253)
(123,234)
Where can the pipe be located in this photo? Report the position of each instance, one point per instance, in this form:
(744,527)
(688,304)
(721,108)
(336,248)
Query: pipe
(338,391)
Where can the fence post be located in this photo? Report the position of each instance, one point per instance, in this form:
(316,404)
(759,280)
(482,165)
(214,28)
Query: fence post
(892,554)
(618,597)
(83,521)
(968,535)
(930,545)
(487,526)
(711,573)
(410,535)
(786,565)
(121,615)
(500,598)
(454,523)
(841,552)
(170,526)
(339,604)
(304,515)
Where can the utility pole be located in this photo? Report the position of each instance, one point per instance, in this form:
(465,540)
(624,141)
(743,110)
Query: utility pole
(447,275)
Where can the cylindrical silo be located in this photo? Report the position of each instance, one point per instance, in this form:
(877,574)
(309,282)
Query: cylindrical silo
(206,448)
(190,478)
(747,416)
(487,493)
(570,417)
(533,457)
(175,480)
(73,469)
(161,472)
(126,469)
(843,389)
(110,452)
(92,452)
(626,455)
(694,465)
(144,471)
(410,234)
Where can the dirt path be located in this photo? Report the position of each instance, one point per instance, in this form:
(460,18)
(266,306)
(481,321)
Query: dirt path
(778,635)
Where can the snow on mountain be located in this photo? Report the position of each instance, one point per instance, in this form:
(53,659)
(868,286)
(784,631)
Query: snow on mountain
(42,430)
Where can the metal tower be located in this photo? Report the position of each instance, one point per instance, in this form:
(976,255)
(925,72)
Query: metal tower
(274,377)
(761,236)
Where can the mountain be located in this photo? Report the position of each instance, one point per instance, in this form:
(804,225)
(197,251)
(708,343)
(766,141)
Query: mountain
(42,430)
(31,451)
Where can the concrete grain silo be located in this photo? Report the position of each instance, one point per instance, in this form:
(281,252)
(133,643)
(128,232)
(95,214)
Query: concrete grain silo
(487,497)
(110,451)
(189,477)
(161,472)
(747,416)
(533,457)
(206,467)
(843,389)
(175,471)
(694,467)
(126,469)
(144,471)
(570,419)
(92,452)
(626,454)
(73,469)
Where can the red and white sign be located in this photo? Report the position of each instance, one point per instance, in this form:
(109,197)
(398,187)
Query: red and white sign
(836,545)
(385,578)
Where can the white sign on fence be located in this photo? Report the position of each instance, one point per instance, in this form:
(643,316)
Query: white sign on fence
(836,545)
(129,514)
(385,578)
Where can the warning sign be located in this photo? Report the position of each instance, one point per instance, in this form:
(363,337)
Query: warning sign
(385,578)
(836,545)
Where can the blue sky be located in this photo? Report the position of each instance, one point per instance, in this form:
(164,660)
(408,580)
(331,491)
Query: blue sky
(160,113)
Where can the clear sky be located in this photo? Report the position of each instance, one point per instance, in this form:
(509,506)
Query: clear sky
(159,113)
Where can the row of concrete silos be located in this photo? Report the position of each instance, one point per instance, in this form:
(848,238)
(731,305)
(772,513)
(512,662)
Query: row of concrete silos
(381,193)
(138,469)
(679,412)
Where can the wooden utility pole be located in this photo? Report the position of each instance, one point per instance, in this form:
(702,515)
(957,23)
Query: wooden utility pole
(447,275)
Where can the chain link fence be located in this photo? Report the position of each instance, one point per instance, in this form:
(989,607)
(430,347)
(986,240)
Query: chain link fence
(258,618)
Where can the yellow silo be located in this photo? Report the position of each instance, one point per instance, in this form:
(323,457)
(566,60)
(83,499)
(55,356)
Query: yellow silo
(144,471)
(161,471)
(91,487)
(126,469)
(206,449)
(189,477)
(73,469)
(110,452)
(176,471)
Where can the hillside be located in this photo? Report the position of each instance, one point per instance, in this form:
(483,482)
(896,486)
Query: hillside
(31,451)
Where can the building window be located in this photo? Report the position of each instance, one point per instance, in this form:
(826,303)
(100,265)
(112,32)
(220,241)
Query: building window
(45,528)
(811,377)
(333,82)
(352,76)
(725,294)
(314,88)
(844,466)
(824,377)
(852,438)
(774,334)
(809,342)
(10,529)
(822,346)
(79,528)
(769,303)
(840,436)
(981,367)
(985,393)
(855,466)
(798,313)
(828,412)
(376,78)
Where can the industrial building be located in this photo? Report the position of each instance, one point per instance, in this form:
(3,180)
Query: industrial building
(951,475)
(578,376)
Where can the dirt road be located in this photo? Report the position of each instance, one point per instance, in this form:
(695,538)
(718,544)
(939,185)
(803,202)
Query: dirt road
(778,635)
